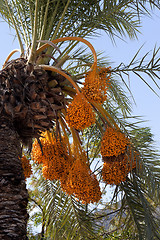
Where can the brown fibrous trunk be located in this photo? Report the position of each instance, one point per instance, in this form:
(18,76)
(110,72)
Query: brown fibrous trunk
(13,192)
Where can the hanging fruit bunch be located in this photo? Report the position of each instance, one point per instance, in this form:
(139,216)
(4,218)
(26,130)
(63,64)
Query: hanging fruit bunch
(95,85)
(80,114)
(113,143)
(72,170)
(43,102)
(81,182)
(54,156)
(117,163)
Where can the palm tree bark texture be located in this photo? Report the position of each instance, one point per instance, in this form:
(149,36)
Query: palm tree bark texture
(13,193)
(26,107)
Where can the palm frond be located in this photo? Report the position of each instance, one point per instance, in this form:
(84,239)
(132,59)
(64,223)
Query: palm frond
(61,216)
(142,68)
(142,212)
(55,19)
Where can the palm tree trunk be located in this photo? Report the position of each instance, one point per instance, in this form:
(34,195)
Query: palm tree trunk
(13,192)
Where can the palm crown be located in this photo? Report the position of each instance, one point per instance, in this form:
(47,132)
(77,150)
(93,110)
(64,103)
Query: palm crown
(46,102)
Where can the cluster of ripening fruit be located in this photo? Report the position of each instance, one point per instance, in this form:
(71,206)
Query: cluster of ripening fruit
(114,143)
(70,167)
(116,164)
(72,170)
(80,114)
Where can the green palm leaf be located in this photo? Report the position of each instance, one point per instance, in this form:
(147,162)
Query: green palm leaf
(142,212)
(61,216)
(143,67)
(66,18)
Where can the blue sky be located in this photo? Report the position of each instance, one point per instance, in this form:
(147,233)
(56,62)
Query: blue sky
(148,104)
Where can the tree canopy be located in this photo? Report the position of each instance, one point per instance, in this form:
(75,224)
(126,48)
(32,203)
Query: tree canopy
(68,107)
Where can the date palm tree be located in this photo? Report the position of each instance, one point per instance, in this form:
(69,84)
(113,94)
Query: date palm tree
(35,91)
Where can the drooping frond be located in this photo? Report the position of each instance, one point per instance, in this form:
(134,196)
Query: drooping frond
(141,210)
(62,217)
(142,67)
(47,20)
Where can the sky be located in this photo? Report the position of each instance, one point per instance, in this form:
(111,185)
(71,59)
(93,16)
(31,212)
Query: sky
(147,103)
